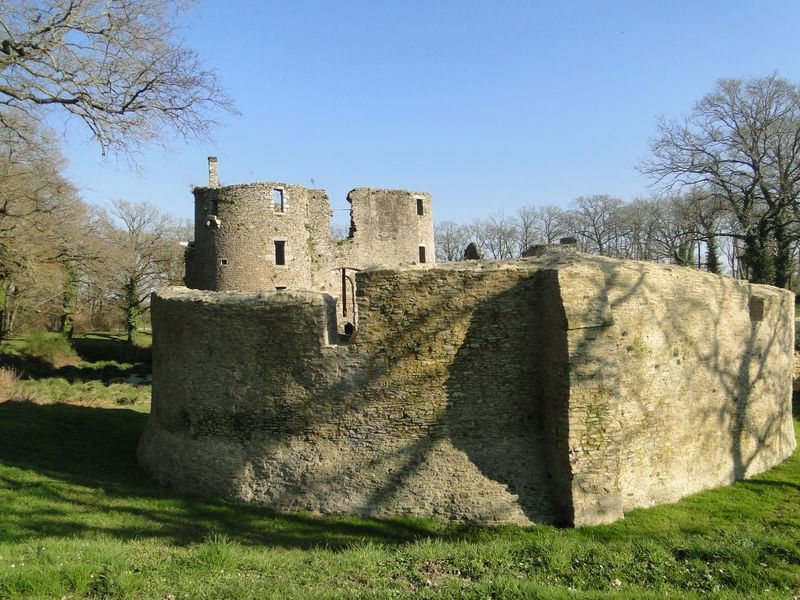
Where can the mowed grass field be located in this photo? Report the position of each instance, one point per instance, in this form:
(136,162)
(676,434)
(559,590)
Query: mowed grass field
(78,519)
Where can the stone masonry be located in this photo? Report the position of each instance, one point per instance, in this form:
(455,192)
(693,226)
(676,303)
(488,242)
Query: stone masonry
(273,236)
(560,388)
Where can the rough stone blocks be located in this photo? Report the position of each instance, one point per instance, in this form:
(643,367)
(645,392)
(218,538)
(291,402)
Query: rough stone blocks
(559,388)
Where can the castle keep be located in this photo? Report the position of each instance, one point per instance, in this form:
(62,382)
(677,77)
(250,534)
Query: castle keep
(562,388)
(275,236)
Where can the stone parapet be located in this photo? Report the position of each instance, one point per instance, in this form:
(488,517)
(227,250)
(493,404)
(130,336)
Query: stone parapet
(561,388)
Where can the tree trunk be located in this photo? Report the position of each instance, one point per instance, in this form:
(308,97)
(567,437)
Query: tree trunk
(67,321)
(133,312)
(759,258)
(684,254)
(783,257)
(3,302)
(11,316)
(712,252)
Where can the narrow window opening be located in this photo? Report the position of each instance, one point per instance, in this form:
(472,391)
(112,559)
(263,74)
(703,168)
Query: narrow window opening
(280,287)
(277,200)
(422,254)
(420,207)
(757,309)
(223,261)
(280,252)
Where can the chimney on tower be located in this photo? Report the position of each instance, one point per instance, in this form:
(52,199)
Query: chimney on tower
(213,175)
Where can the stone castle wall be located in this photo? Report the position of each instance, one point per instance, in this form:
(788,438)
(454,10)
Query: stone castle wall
(562,388)
(237,227)
(237,250)
(679,381)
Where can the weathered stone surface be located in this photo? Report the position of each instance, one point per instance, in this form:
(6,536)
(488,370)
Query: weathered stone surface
(562,388)
(238,229)
(686,391)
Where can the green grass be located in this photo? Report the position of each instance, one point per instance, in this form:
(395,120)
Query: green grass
(92,369)
(78,519)
(52,348)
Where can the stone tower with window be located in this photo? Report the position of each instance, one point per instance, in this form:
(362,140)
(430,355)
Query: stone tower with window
(273,236)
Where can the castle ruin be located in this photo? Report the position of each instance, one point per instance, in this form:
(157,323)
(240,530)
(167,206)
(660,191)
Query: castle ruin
(276,236)
(562,387)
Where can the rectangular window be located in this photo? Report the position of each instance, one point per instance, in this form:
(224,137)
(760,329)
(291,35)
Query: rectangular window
(422,254)
(420,207)
(756,308)
(277,199)
(280,252)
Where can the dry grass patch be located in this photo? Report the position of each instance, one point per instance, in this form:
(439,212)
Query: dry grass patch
(8,383)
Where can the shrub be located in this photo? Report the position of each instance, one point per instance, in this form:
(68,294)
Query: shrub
(52,348)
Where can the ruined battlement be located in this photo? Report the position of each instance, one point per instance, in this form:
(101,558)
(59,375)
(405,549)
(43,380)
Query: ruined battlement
(273,236)
(561,388)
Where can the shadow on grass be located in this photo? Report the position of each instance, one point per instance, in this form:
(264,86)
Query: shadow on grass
(32,367)
(88,458)
(796,404)
(106,358)
(100,347)
(783,486)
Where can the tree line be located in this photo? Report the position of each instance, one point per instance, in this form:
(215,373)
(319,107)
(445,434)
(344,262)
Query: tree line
(727,181)
(674,229)
(122,70)
(725,176)
(62,260)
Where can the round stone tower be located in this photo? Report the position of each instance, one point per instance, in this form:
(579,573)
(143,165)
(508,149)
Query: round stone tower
(268,236)
(254,236)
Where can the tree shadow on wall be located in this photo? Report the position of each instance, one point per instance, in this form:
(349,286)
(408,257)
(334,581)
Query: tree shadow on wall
(507,395)
(740,410)
(516,354)
(85,464)
(505,399)
(489,406)
(503,402)
(731,352)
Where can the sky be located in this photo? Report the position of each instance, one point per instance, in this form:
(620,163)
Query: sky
(488,106)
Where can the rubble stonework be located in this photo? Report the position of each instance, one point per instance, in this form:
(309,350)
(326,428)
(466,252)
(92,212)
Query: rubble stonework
(561,388)
(269,236)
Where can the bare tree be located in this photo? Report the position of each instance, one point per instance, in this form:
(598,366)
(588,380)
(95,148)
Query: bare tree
(144,245)
(551,224)
(496,236)
(741,144)
(675,232)
(117,65)
(539,225)
(340,231)
(707,213)
(596,221)
(637,224)
(451,240)
(40,217)
(527,228)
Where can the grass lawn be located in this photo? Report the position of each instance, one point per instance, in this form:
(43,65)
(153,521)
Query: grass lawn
(78,519)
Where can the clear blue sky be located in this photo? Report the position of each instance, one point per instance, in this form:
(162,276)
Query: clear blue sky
(488,106)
